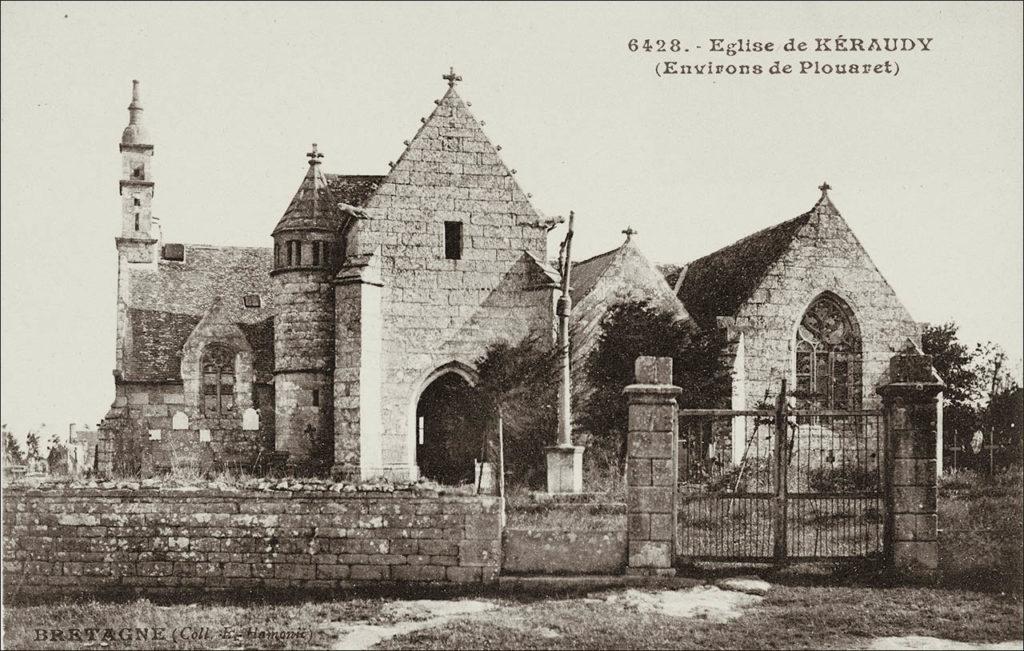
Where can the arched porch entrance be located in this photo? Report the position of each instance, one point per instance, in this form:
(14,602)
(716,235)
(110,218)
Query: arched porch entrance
(450,428)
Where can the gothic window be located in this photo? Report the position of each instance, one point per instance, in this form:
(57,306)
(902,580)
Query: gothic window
(218,380)
(828,357)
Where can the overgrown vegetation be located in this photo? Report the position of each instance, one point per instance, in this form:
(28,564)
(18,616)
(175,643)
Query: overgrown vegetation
(981,525)
(981,396)
(519,382)
(629,330)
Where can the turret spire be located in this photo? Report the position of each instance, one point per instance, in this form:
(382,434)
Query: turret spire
(135,132)
(135,108)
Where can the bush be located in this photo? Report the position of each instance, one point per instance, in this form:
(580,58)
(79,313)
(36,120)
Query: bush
(520,382)
(631,329)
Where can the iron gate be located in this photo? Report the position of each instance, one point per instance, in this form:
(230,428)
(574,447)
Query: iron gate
(743,497)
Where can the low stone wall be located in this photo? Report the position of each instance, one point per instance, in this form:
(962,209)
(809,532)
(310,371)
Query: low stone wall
(538,551)
(61,541)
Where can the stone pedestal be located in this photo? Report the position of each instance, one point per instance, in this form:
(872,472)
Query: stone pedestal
(565,468)
(909,402)
(652,465)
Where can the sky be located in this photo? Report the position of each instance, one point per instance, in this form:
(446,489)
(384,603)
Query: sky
(925,166)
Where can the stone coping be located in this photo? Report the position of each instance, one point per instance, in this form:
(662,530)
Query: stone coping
(207,493)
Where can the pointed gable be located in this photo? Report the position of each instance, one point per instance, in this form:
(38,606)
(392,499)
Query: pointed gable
(450,171)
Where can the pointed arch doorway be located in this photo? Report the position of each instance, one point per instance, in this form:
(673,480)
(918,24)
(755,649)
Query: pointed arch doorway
(451,426)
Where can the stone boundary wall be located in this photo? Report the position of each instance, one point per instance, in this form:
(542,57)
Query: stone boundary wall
(539,551)
(61,541)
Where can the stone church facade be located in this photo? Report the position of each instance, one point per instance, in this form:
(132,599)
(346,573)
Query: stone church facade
(320,352)
(317,350)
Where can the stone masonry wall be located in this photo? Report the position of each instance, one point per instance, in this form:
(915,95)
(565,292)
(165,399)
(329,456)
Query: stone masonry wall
(55,542)
(825,256)
(154,420)
(303,362)
(437,310)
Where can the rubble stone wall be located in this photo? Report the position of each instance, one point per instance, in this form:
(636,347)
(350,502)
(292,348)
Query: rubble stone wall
(92,540)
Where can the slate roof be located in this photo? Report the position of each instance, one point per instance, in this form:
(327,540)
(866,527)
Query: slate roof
(166,303)
(721,282)
(313,206)
(353,189)
(585,274)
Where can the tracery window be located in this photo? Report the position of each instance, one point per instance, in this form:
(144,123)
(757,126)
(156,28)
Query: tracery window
(218,380)
(828,357)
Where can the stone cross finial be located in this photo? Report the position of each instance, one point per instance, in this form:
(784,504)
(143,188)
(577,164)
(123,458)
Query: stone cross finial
(629,233)
(314,156)
(451,77)
(824,187)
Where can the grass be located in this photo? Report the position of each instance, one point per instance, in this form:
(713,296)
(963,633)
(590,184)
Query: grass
(792,616)
(231,625)
(789,618)
(981,529)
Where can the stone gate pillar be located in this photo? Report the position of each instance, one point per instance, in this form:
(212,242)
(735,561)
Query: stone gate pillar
(909,403)
(652,463)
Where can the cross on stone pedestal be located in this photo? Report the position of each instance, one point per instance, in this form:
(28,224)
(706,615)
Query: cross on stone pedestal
(451,77)
(314,156)
(824,187)
(629,233)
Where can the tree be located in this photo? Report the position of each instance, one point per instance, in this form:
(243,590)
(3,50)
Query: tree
(57,458)
(521,382)
(634,328)
(13,454)
(32,446)
(957,365)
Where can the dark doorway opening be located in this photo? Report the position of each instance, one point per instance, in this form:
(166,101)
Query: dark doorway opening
(450,430)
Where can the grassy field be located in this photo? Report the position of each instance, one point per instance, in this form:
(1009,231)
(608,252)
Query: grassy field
(981,529)
(791,616)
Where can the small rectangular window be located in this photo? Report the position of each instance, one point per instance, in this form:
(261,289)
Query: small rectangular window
(317,247)
(316,397)
(453,240)
(251,300)
(136,221)
(137,202)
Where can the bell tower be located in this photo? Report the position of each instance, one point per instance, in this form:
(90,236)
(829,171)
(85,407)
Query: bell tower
(139,231)
(138,242)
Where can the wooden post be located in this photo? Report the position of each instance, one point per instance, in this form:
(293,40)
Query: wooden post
(781,477)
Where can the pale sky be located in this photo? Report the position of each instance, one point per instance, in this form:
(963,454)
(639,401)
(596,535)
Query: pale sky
(926,166)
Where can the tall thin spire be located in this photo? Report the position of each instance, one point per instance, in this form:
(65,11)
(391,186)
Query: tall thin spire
(135,132)
(135,108)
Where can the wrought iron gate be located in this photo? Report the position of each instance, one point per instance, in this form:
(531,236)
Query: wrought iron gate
(742,496)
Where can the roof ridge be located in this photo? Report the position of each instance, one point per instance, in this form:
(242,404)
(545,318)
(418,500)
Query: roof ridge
(749,237)
(600,255)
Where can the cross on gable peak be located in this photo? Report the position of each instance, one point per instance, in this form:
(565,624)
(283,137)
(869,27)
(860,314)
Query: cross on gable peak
(451,77)
(824,187)
(314,156)
(629,233)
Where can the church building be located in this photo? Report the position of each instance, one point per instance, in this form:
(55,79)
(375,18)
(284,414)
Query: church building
(337,349)
(318,350)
